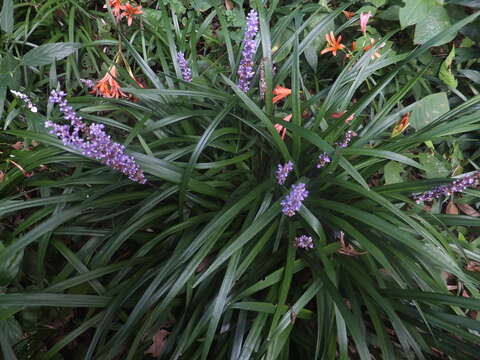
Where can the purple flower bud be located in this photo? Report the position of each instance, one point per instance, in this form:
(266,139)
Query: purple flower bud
(304,242)
(92,141)
(88,83)
(26,100)
(245,70)
(283,171)
(457,186)
(186,72)
(293,201)
(347,138)
(323,160)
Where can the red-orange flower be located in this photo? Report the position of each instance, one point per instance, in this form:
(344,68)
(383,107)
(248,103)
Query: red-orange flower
(280,92)
(333,44)
(282,131)
(376,54)
(130,11)
(348,14)
(116,6)
(107,86)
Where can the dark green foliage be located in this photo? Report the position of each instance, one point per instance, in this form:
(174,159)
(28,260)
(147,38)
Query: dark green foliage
(93,266)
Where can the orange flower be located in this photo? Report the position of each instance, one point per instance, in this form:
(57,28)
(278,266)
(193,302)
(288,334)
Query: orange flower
(280,92)
(107,86)
(130,11)
(116,6)
(402,125)
(340,114)
(376,54)
(348,14)
(333,45)
(282,131)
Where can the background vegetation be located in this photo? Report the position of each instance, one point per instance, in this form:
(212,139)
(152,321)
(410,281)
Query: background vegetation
(200,262)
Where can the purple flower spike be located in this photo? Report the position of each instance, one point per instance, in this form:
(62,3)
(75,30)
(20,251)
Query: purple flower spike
(92,141)
(283,171)
(458,186)
(293,202)
(186,72)
(245,70)
(26,100)
(323,160)
(346,140)
(304,242)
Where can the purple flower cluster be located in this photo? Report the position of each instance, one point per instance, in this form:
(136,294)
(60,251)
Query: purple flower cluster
(245,70)
(283,171)
(186,72)
(88,83)
(92,141)
(304,242)
(25,99)
(347,138)
(458,185)
(323,160)
(293,202)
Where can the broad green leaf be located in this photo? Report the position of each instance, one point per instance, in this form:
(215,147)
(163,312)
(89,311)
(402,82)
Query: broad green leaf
(434,168)
(392,172)
(48,53)
(428,109)
(414,11)
(430,18)
(6,16)
(434,23)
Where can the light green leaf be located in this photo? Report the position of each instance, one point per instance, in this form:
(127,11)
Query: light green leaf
(428,109)
(392,171)
(434,168)
(6,16)
(48,53)
(415,11)
(445,73)
(430,18)
(434,23)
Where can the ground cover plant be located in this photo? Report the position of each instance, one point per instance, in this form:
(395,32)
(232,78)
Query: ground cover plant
(239,180)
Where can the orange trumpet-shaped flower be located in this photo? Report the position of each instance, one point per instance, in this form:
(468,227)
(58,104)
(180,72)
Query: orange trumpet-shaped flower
(376,54)
(280,92)
(282,130)
(107,86)
(130,11)
(333,44)
(116,6)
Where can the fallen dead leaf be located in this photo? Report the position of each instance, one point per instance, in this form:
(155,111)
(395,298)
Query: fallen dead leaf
(451,209)
(472,266)
(158,344)
(204,264)
(18,145)
(468,210)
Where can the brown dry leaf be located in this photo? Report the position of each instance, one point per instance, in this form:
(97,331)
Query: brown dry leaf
(229,4)
(204,264)
(472,266)
(159,342)
(468,210)
(348,249)
(2,176)
(451,209)
(18,145)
